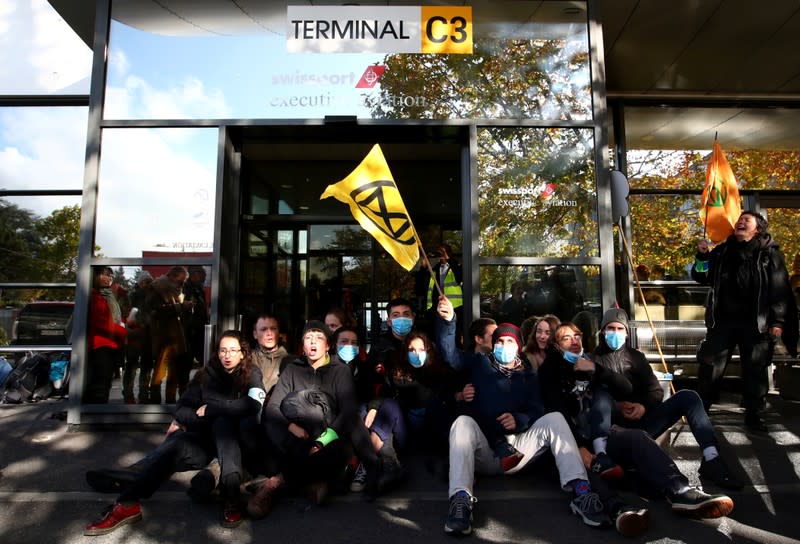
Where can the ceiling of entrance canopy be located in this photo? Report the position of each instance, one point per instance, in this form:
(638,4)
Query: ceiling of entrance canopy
(726,56)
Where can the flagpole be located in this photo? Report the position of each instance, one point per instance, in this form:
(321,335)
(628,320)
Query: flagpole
(427,264)
(629,255)
(705,204)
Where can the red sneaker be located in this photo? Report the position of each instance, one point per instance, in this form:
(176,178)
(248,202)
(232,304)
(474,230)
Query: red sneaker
(117,515)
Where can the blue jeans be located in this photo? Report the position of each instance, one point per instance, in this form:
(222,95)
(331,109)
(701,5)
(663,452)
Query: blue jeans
(657,419)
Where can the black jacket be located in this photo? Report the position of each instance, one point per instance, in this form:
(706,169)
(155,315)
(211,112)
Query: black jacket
(222,395)
(334,378)
(774,300)
(634,378)
(557,380)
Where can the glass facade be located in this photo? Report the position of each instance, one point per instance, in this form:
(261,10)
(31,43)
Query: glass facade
(537,194)
(157,191)
(48,57)
(530,62)
(516,293)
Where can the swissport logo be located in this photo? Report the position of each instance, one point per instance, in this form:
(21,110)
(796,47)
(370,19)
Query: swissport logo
(370,77)
(547,191)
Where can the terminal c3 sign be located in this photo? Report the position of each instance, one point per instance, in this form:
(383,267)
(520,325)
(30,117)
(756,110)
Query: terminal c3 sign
(380,29)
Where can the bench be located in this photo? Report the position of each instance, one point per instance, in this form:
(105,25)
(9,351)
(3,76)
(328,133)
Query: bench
(679,341)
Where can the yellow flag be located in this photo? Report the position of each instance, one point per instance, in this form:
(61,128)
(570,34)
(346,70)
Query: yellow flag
(720,203)
(376,204)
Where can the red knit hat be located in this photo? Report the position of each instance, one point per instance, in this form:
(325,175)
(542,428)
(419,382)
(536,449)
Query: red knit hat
(510,330)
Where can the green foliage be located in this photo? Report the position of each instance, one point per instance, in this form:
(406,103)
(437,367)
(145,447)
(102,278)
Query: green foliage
(666,227)
(34,249)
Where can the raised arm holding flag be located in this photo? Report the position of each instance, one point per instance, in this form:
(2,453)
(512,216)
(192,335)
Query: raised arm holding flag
(376,204)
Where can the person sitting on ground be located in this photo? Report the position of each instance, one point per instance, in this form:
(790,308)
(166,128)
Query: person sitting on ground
(540,340)
(225,391)
(388,353)
(313,442)
(570,383)
(507,403)
(347,349)
(640,402)
(268,354)
(560,381)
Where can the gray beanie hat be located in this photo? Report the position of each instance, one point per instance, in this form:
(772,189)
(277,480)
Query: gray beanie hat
(613,315)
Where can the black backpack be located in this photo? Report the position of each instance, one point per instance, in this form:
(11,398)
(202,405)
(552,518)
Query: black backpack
(311,409)
(29,381)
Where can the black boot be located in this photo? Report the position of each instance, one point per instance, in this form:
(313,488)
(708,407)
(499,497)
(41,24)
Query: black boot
(753,421)
(393,471)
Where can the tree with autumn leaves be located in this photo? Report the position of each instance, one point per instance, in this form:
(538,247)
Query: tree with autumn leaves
(666,225)
(548,79)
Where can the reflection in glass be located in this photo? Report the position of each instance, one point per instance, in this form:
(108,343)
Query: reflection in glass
(48,57)
(338,237)
(156,191)
(286,241)
(39,243)
(42,147)
(530,62)
(533,67)
(537,195)
(783,224)
(159,313)
(664,231)
(515,293)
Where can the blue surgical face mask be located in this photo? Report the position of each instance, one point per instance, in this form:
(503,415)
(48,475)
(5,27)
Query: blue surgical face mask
(417,359)
(402,325)
(505,353)
(615,339)
(572,358)
(347,353)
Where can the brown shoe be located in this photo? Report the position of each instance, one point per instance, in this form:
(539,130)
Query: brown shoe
(317,492)
(261,504)
(203,484)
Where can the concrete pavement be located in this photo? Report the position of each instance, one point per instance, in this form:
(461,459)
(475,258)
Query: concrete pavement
(44,497)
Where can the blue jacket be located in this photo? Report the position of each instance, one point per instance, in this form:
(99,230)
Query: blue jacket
(495,393)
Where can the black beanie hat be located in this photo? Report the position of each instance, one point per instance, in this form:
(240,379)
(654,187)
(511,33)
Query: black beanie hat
(617,315)
(508,329)
(316,325)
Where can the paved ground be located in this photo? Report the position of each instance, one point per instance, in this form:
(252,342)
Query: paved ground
(44,498)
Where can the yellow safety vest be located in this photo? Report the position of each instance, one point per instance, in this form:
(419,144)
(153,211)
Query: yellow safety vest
(451,289)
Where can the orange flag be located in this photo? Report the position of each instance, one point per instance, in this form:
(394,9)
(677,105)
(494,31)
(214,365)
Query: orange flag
(720,203)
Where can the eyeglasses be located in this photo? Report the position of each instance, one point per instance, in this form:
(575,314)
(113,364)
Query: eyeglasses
(569,338)
(225,351)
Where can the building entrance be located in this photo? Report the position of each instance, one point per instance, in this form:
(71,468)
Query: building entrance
(299,256)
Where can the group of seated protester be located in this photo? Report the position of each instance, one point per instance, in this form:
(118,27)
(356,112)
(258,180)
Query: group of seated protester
(258,423)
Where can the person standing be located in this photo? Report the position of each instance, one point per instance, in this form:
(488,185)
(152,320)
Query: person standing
(750,305)
(106,336)
(167,313)
(194,294)
(139,350)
